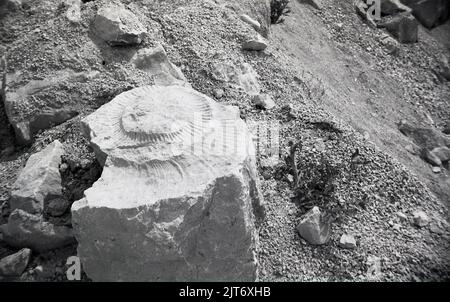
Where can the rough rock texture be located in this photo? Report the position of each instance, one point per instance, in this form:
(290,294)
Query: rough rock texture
(249,20)
(389,7)
(28,230)
(257,43)
(404,27)
(15,264)
(156,63)
(178,196)
(313,228)
(39,181)
(118,26)
(430,12)
(420,218)
(240,75)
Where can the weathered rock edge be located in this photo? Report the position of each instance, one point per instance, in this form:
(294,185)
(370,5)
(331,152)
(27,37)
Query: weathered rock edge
(203,229)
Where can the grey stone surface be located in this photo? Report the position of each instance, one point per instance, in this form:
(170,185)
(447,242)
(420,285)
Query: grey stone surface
(178,198)
(155,62)
(31,231)
(313,228)
(39,181)
(118,26)
(14,265)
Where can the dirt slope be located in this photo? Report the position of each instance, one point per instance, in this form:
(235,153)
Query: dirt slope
(325,74)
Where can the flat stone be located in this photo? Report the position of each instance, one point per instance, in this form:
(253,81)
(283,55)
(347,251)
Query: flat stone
(41,104)
(57,207)
(420,218)
(14,265)
(39,181)
(249,20)
(347,242)
(118,26)
(155,62)
(263,101)
(31,231)
(178,199)
(313,228)
(257,43)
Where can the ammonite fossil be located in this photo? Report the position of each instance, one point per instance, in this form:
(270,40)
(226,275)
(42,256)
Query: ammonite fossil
(161,141)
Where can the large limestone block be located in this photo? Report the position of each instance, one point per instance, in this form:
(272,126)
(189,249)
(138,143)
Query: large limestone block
(39,181)
(178,196)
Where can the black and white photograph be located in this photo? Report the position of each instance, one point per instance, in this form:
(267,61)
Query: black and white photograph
(215,142)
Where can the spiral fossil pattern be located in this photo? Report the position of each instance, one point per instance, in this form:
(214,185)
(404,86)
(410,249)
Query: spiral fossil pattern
(166,136)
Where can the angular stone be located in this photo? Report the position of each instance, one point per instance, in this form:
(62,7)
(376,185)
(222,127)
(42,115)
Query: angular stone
(57,207)
(118,26)
(420,218)
(39,181)
(28,230)
(73,12)
(257,43)
(313,228)
(264,101)
(14,265)
(178,197)
(429,12)
(347,242)
(317,4)
(391,44)
(155,62)
(242,76)
(391,7)
(255,24)
(39,105)
(443,153)
(404,27)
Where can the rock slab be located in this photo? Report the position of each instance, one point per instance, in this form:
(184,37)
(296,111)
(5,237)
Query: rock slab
(118,26)
(15,264)
(178,199)
(31,231)
(313,228)
(39,181)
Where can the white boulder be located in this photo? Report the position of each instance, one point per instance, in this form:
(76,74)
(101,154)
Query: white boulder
(178,197)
